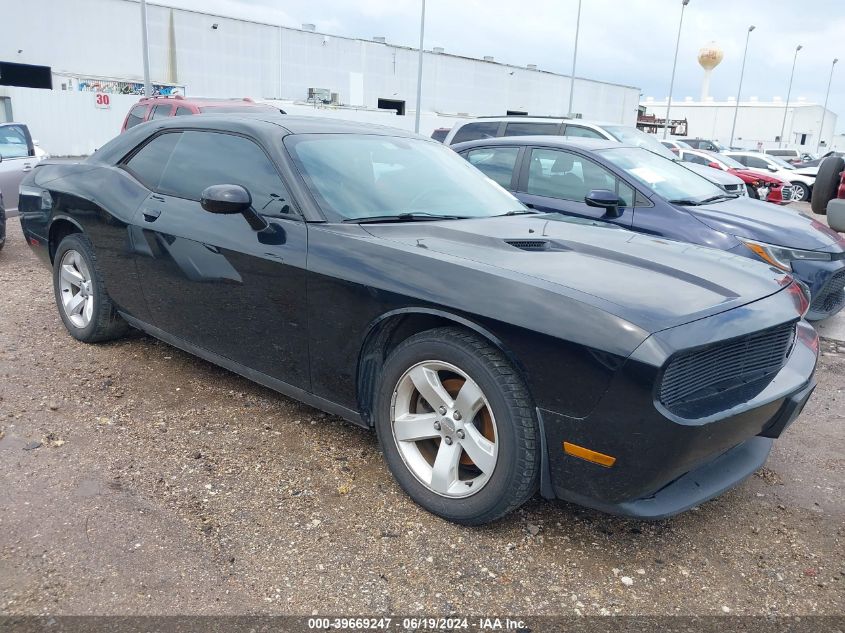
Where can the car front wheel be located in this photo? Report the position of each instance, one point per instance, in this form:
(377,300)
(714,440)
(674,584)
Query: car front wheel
(457,426)
(84,305)
(800,192)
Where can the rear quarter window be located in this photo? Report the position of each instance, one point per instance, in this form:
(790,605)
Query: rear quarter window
(136,116)
(474,131)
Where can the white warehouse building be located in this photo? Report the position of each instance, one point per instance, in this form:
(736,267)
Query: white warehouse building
(757,122)
(200,54)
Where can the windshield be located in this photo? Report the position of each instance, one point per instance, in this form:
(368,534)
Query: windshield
(633,136)
(362,176)
(662,175)
(780,162)
(726,160)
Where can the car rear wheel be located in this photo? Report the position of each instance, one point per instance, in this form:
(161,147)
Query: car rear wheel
(800,192)
(457,426)
(84,305)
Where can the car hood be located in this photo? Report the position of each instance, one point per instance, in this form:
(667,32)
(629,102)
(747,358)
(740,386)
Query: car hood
(753,175)
(651,282)
(756,220)
(812,171)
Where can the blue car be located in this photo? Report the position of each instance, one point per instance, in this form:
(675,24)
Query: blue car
(642,191)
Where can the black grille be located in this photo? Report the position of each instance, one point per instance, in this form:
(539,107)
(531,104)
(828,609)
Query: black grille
(832,296)
(529,245)
(718,368)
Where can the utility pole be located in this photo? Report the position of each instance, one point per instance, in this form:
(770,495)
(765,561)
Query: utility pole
(788,93)
(574,57)
(684,4)
(419,70)
(146,49)
(824,110)
(739,92)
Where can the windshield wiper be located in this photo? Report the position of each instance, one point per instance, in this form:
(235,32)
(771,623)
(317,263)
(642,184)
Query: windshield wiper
(518,212)
(685,202)
(419,216)
(721,196)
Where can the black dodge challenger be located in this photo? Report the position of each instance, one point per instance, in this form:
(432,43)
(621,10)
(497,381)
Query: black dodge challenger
(378,276)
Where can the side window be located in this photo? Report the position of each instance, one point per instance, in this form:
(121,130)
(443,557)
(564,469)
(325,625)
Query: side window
(474,131)
(161,111)
(182,111)
(568,176)
(527,128)
(584,132)
(13,142)
(202,159)
(148,163)
(136,116)
(497,163)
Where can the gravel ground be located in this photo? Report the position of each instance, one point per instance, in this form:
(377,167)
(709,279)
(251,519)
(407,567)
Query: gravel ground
(139,480)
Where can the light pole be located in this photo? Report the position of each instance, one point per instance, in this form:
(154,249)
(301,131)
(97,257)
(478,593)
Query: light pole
(419,70)
(574,57)
(824,110)
(741,75)
(788,93)
(146,51)
(684,4)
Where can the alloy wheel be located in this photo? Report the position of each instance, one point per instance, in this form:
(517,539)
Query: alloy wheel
(76,289)
(444,429)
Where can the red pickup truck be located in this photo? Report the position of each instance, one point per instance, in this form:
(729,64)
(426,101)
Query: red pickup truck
(829,192)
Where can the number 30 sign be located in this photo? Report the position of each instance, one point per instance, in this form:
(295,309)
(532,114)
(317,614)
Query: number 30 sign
(102,100)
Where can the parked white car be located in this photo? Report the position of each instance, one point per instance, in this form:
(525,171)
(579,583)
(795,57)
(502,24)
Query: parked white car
(802,181)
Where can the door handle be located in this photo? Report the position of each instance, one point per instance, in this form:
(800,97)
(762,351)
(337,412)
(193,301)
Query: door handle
(27,167)
(151,215)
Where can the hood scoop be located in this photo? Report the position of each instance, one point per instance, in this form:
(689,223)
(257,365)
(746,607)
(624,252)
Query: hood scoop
(530,245)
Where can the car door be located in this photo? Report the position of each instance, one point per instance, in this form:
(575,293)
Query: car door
(559,180)
(16,161)
(497,163)
(212,280)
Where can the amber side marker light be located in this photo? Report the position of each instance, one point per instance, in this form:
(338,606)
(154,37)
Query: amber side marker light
(591,456)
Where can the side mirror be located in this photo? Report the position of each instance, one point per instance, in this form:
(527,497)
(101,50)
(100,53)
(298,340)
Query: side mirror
(232,200)
(772,168)
(604,199)
(226,199)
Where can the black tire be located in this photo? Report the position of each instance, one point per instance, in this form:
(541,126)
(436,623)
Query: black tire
(827,182)
(515,476)
(752,192)
(804,189)
(105,324)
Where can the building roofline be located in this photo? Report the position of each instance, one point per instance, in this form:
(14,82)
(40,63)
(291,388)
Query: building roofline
(368,41)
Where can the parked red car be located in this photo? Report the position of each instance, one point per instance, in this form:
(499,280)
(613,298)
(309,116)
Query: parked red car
(759,185)
(149,108)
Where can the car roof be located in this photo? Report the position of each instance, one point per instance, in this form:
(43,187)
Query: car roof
(563,142)
(204,101)
(261,124)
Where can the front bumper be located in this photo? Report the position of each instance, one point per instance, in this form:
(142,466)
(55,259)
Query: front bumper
(666,464)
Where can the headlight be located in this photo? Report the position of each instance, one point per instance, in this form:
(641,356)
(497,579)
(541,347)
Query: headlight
(781,257)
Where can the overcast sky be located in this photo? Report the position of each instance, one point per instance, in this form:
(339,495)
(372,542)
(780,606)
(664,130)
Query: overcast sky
(626,41)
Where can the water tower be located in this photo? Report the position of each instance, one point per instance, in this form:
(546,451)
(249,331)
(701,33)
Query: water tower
(709,57)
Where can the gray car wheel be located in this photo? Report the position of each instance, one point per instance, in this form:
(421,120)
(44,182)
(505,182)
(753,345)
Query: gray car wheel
(84,305)
(457,426)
